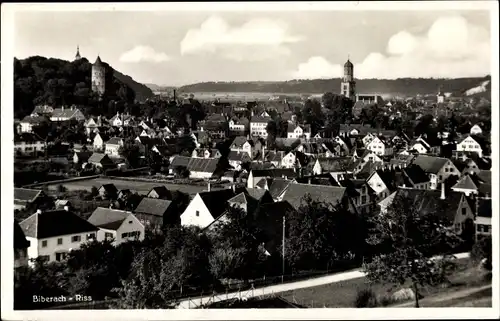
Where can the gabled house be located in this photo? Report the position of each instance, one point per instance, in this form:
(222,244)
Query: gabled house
(236,158)
(160,192)
(470,144)
(101,161)
(113,146)
(243,144)
(258,174)
(328,165)
(28,144)
(420,146)
(453,207)
(52,234)
(332,195)
(438,168)
(108,191)
(197,167)
(258,126)
(206,207)
(380,146)
(206,153)
(21,245)
(483,217)
(65,114)
(155,213)
(29,122)
(81,157)
(119,226)
(120,120)
(99,141)
(476,130)
(24,197)
(299,131)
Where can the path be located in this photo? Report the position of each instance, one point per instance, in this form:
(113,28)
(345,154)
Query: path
(446,296)
(334,278)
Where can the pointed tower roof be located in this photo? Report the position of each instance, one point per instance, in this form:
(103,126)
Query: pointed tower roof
(98,61)
(77,56)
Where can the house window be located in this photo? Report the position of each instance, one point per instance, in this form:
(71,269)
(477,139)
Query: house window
(44,258)
(76,238)
(108,235)
(486,228)
(61,256)
(59,241)
(464,211)
(479,227)
(197,213)
(91,236)
(129,222)
(134,234)
(44,243)
(440,177)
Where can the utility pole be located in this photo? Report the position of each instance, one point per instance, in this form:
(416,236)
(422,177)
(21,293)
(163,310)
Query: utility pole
(283,244)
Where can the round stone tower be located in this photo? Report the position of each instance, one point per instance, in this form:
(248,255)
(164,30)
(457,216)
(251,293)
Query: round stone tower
(98,77)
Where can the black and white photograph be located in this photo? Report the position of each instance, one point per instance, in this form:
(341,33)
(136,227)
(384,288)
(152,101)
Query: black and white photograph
(224,160)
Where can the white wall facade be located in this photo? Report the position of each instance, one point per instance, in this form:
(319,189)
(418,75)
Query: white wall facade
(197,214)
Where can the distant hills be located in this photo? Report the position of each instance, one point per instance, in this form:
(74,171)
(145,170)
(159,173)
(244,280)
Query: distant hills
(391,87)
(159,88)
(40,80)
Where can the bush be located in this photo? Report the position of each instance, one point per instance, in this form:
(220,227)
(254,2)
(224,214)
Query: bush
(482,250)
(365,298)
(386,300)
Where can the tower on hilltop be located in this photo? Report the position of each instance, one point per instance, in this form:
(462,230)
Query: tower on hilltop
(77,56)
(98,77)
(348,85)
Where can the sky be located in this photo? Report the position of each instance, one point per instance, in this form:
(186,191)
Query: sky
(178,48)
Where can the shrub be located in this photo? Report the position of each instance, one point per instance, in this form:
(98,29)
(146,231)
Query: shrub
(386,300)
(365,298)
(482,250)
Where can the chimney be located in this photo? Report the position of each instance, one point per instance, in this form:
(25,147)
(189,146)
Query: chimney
(233,187)
(443,194)
(208,186)
(66,208)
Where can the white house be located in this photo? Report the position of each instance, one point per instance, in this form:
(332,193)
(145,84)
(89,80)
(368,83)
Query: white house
(28,122)
(299,131)
(113,146)
(98,142)
(379,147)
(367,139)
(289,160)
(65,114)
(53,234)
(28,143)
(469,144)
(120,120)
(476,130)
(206,207)
(438,168)
(238,125)
(119,226)
(421,146)
(258,126)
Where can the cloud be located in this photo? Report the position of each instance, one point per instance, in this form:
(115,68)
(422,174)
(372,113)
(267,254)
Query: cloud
(143,54)
(452,47)
(257,39)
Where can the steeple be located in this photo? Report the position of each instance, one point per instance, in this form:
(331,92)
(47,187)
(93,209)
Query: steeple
(77,56)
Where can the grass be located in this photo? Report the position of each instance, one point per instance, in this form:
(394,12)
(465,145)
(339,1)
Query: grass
(343,294)
(138,186)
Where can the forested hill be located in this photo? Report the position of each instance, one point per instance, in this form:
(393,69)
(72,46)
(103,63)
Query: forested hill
(40,80)
(401,86)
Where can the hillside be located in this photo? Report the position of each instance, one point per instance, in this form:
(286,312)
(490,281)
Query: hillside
(40,80)
(399,87)
(155,87)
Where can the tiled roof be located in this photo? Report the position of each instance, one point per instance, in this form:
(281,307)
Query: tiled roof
(206,165)
(26,194)
(238,156)
(27,138)
(64,113)
(110,188)
(429,201)
(416,174)
(328,194)
(484,207)
(465,182)
(216,201)
(278,186)
(115,141)
(430,164)
(161,191)
(259,119)
(97,157)
(34,120)
(336,164)
(274,172)
(20,241)
(153,206)
(239,141)
(108,218)
(83,156)
(55,223)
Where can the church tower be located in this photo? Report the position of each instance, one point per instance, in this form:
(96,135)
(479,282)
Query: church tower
(348,85)
(77,56)
(98,77)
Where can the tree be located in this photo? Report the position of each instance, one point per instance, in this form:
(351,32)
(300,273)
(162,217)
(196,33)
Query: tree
(131,152)
(181,171)
(414,237)
(319,234)
(94,191)
(272,132)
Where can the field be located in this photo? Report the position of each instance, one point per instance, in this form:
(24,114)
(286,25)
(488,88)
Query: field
(138,186)
(467,287)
